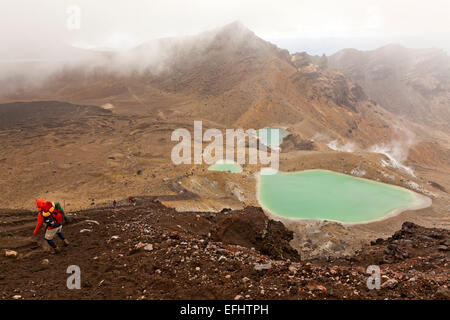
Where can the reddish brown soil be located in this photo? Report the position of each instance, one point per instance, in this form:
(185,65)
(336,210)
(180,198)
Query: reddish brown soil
(209,256)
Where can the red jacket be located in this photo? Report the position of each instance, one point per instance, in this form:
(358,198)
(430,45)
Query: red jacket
(39,223)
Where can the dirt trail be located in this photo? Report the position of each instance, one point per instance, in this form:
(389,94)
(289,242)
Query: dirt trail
(231,254)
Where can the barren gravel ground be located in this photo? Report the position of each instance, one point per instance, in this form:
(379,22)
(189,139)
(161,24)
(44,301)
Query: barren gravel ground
(228,255)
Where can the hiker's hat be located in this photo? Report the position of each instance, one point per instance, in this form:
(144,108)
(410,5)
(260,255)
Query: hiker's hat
(47,208)
(39,203)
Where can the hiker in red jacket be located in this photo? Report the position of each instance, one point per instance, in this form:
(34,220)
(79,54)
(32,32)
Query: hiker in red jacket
(53,215)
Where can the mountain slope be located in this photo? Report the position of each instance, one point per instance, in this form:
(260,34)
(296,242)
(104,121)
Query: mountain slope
(228,76)
(153,252)
(414,83)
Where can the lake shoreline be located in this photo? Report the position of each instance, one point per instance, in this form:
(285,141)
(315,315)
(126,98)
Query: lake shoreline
(420,202)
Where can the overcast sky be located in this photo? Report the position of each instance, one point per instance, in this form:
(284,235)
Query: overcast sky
(34,29)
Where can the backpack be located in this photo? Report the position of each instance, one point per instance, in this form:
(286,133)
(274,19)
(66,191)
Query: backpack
(54,219)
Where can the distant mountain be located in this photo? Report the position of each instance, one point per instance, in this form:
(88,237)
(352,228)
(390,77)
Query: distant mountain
(413,83)
(228,76)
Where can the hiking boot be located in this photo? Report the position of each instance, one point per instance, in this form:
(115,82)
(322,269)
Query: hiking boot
(66,242)
(56,250)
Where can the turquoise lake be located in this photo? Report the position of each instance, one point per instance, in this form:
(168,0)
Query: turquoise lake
(326,195)
(226,165)
(266,135)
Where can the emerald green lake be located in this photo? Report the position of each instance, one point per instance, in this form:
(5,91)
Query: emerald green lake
(266,135)
(226,165)
(326,195)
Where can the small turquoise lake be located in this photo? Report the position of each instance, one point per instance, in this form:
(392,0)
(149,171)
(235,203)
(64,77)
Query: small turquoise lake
(268,135)
(327,195)
(226,165)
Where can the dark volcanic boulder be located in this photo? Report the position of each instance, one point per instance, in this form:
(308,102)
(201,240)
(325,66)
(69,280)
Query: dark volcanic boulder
(251,228)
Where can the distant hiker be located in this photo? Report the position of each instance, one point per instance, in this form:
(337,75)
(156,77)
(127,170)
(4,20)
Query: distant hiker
(132,201)
(114,204)
(53,215)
